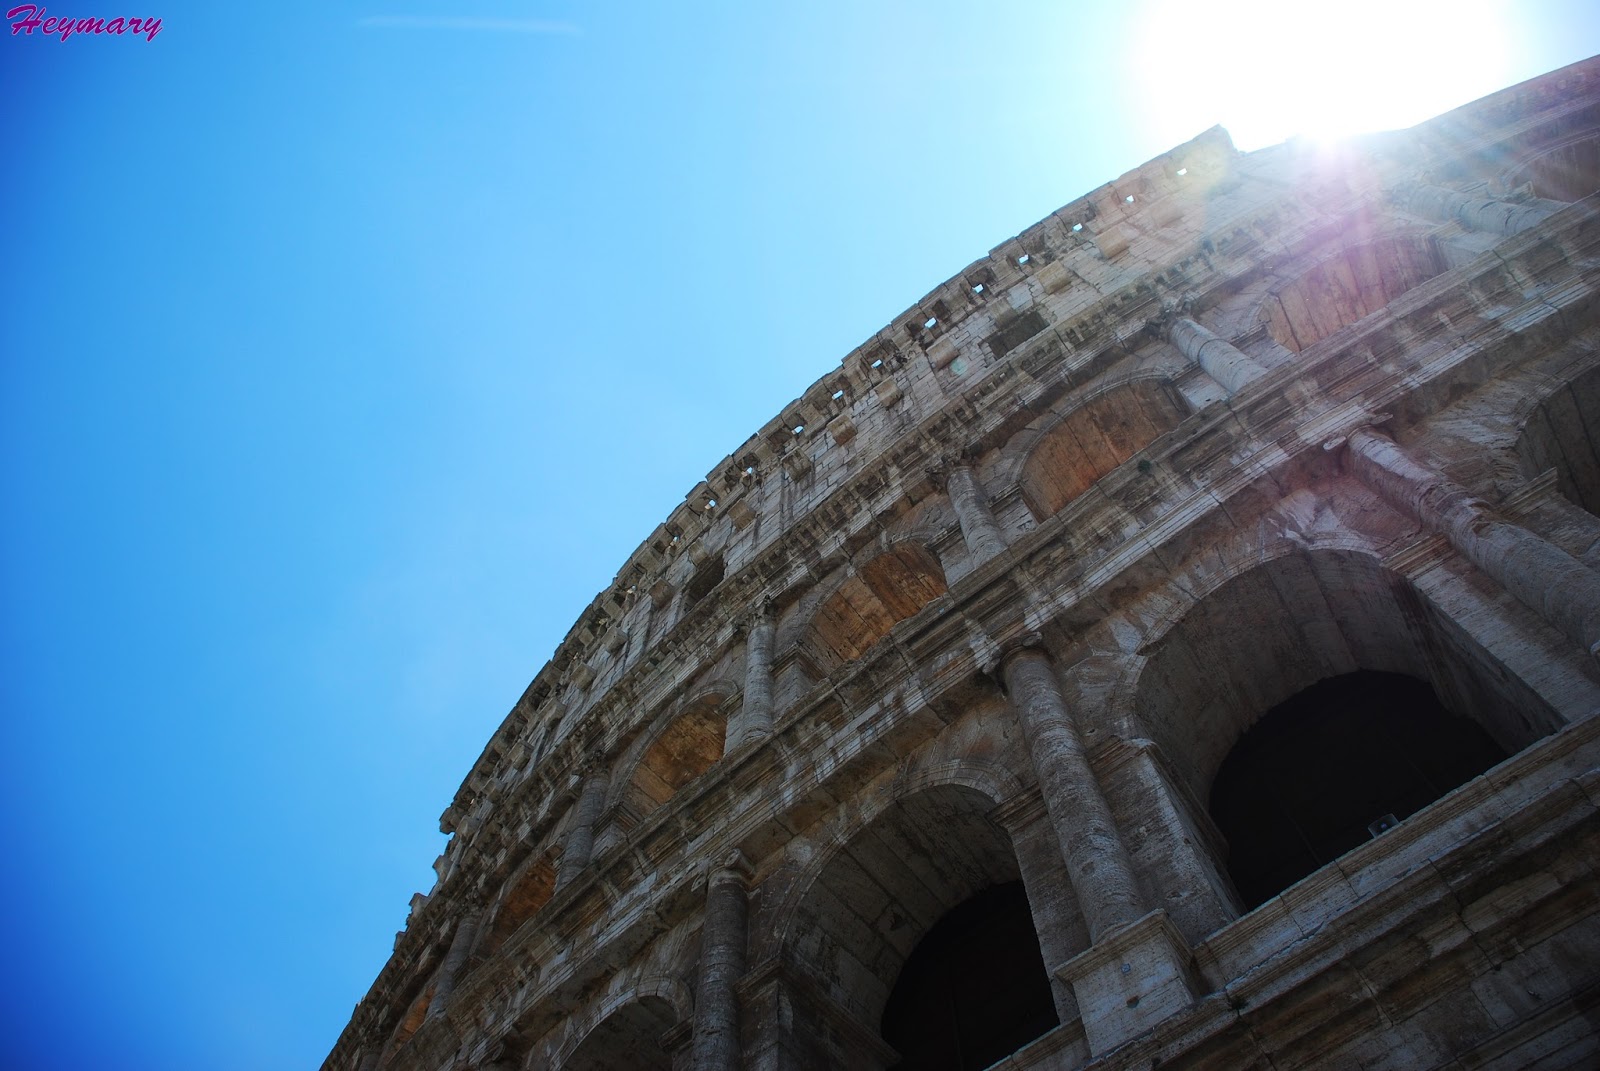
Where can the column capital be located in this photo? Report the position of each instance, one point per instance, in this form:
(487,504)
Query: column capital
(1011,650)
(760,613)
(1171,311)
(590,770)
(733,868)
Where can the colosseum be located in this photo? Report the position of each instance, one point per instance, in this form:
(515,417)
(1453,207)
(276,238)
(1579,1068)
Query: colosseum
(1172,642)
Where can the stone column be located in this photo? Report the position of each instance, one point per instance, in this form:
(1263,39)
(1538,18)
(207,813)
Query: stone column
(979,529)
(1057,918)
(1138,970)
(1102,873)
(454,960)
(1550,511)
(1181,849)
(1216,356)
(639,629)
(717,1044)
(1544,577)
(580,839)
(1474,213)
(796,1026)
(755,720)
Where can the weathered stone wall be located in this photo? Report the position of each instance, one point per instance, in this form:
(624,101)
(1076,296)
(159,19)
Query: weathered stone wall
(995,599)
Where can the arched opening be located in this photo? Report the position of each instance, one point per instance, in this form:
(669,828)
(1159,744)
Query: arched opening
(689,747)
(886,590)
(530,890)
(1564,434)
(921,908)
(1268,637)
(629,1037)
(974,990)
(1094,439)
(1331,767)
(1568,172)
(1342,289)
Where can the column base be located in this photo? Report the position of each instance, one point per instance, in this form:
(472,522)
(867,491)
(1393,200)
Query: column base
(1130,980)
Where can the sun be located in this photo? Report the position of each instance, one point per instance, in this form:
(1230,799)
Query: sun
(1269,70)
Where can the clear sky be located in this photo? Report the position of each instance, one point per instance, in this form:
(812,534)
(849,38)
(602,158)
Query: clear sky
(349,348)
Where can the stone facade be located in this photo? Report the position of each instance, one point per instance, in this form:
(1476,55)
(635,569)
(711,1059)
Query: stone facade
(1218,559)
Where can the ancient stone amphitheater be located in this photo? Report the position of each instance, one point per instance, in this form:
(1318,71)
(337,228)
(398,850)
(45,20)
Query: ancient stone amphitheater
(1170,643)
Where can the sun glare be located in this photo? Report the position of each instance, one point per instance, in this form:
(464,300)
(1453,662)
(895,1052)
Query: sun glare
(1269,70)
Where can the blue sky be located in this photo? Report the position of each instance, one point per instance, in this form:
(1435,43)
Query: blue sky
(349,348)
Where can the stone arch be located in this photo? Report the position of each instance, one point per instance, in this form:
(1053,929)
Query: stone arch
(1562,432)
(1569,171)
(687,742)
(1007,467)
(1265,634)
(992,780)
(859,605)
(1070,453)
(523,896)
(1258,635)
(885,878)
(1342,286)
(624,1031)
(924,522)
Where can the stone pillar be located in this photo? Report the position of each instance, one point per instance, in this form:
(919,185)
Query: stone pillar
(1102,873)
(1179,847)
(639,630)
(722,950)
(1560,520)
(1216,356)
(796,1026)
(1474,213)
(1057,918)
(454,960)
(1544,577)
(755,720)
(580,839)
(1139,969)
(979,529)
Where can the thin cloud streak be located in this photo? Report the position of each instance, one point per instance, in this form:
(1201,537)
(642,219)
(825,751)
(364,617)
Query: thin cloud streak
(451,22)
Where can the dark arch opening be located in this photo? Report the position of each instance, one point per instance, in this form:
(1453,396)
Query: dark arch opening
(1321,771)
(974,990)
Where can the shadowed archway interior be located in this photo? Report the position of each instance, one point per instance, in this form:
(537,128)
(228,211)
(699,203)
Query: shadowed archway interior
(974,990)
(628,1038)
(923,906)
(1333,766)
